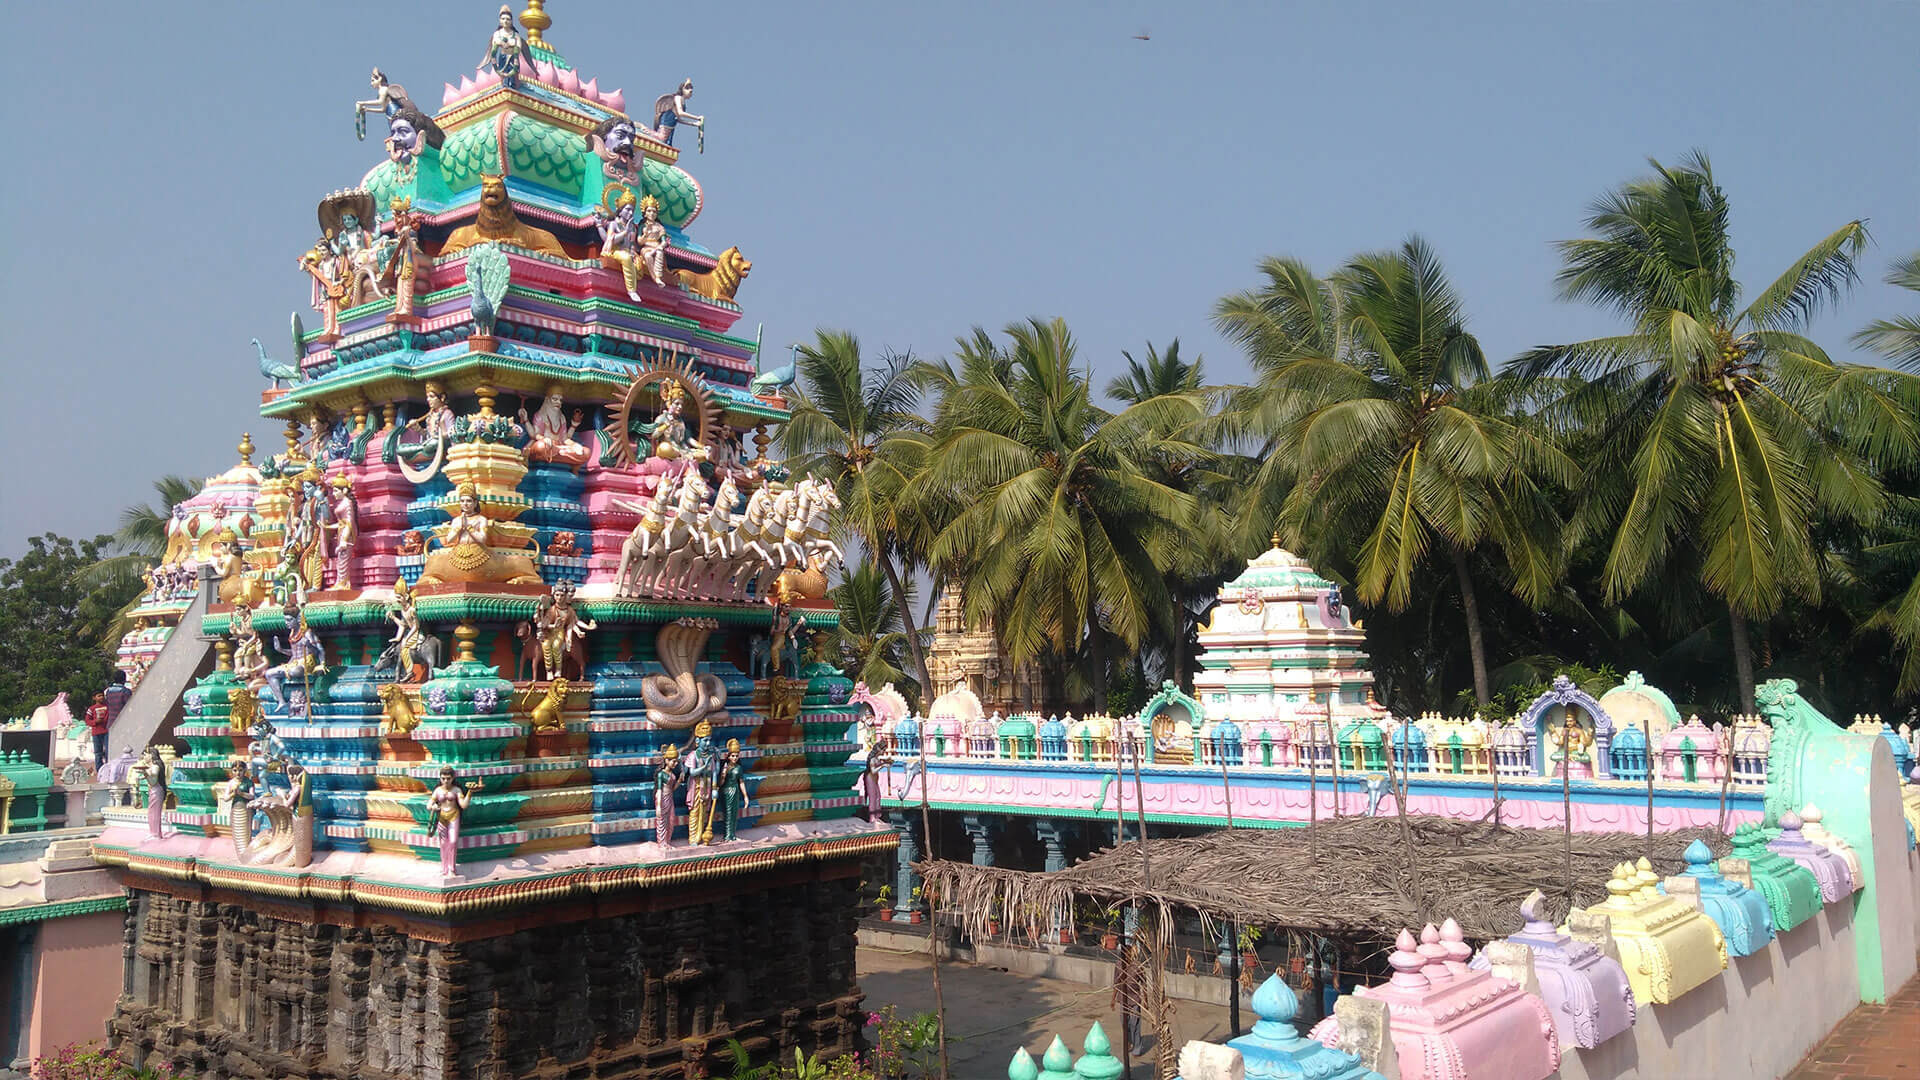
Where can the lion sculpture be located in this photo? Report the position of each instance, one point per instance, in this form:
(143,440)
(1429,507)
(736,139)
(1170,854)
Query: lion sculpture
(720,283)
(498,222)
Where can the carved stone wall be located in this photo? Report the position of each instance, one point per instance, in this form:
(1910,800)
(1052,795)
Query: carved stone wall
(223,990)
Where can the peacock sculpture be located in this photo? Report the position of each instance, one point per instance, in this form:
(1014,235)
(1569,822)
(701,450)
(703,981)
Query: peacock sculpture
(487,276)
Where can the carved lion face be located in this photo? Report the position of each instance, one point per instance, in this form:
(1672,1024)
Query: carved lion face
(493,191)
(737,262)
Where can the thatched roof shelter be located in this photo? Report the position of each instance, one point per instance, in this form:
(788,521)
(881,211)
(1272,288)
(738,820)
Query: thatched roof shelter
(1356,877)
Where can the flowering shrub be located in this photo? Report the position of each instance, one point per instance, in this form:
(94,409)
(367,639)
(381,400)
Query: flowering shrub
(89,1062)
(902,1050)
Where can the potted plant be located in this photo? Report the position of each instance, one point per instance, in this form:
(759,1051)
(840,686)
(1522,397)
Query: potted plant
(1110,934)
(993,919)
(1248,937)
(917,899)
(886,903)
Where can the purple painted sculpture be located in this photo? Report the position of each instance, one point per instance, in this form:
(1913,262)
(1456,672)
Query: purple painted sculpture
(1830,870)
(1586,990)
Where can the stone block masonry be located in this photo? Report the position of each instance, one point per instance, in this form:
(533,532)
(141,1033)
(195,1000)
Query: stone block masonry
(646,990)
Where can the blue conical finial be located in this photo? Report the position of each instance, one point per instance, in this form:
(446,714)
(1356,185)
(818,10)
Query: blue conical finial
(1098,1062)
(1699,858)
(1022,1066)
(1275,1001)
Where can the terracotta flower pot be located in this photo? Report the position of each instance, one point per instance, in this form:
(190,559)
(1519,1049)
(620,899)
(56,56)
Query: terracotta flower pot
(886,914)
(1109,941)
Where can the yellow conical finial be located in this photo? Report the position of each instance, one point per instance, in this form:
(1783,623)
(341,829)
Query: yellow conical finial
(246,448)
(536,20)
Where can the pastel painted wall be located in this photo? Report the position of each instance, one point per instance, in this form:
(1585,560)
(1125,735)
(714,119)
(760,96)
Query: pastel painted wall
(76,979)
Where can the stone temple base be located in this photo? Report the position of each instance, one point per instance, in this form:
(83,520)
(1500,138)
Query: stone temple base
(647,987)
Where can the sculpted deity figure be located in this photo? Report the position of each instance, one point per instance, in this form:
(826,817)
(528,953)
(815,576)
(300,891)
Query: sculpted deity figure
(670,111)
(559,626)
(637,248)
(466,552)
(404,256)
(249,655)
(154,768)
(668,434)
(731,790)
(236,585)
(551,432)
(1570,742)
(420,459)
(389,100)
(505,50)
(330,283)
(612,141)
(448,804)
(410,646)
(703,775)
(348,224)
(306,657)
(346,530)
(666,783)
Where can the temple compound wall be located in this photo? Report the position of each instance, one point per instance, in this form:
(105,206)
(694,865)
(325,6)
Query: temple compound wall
(625,990)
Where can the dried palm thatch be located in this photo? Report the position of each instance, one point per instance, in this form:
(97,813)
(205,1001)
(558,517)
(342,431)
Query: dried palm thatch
(1372,876)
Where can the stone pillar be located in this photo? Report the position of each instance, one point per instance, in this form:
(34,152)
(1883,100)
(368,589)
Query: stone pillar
(1052,832)
(981,833)
(904,879)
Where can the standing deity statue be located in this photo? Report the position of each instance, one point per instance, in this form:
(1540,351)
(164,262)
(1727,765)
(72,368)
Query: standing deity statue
(731,790)
(306,658)
(154,768)
(550,432)
(670,111)
(404,256)
(506,49)
(559,626)
(666,783)
(703,775)
(330,284)
(249,654)
(345,527)
(389,100)
(448,804)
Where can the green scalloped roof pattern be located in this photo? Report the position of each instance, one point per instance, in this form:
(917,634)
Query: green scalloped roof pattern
(467,153)
(675,189)
(551,156)
(383,180)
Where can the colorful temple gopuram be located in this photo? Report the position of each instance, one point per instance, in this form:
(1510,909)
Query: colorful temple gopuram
(513,754)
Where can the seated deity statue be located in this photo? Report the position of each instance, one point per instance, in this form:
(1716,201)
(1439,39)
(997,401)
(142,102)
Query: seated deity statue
(551,432)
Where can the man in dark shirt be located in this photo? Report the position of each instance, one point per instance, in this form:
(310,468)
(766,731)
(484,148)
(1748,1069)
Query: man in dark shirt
(116,695)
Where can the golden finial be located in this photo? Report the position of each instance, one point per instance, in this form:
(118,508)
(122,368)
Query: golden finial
(536,20)
(223,650)
(463,636)
(486,396)
(293,439)
(246,448)
(1276,538)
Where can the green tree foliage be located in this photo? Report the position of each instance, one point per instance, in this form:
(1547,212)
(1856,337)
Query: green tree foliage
(1381,441)
(1719,433)
(870,638)
(1059,527)
(51,623)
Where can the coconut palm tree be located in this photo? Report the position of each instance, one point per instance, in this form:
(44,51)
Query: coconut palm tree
(1161,374)
(870,634)
(857,429)
(1897,339)
(139,542)
(1057,526)
(1380,438)
(1720,428)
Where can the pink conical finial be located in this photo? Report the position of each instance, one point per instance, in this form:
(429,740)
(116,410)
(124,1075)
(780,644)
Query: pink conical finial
(615,100)
(1454,940)
(1434,955)
(1406,963)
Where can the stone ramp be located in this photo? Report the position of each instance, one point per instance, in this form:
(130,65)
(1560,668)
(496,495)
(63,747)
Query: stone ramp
(151,712)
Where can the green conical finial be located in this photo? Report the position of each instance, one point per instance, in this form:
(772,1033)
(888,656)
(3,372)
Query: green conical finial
(1022,1066)
(1098,1063)
(1057,1062)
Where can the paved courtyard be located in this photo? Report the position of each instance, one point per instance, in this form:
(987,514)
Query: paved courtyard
(990,1012)
(1874,1042)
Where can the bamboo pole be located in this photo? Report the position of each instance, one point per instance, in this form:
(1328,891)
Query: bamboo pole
(933,925)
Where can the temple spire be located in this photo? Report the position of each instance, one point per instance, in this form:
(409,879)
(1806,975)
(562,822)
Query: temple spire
(536,20)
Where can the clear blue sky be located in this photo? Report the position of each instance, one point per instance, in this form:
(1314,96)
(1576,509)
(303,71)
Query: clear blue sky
(908,170)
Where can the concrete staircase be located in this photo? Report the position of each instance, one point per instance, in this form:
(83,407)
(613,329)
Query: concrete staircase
(154,708)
